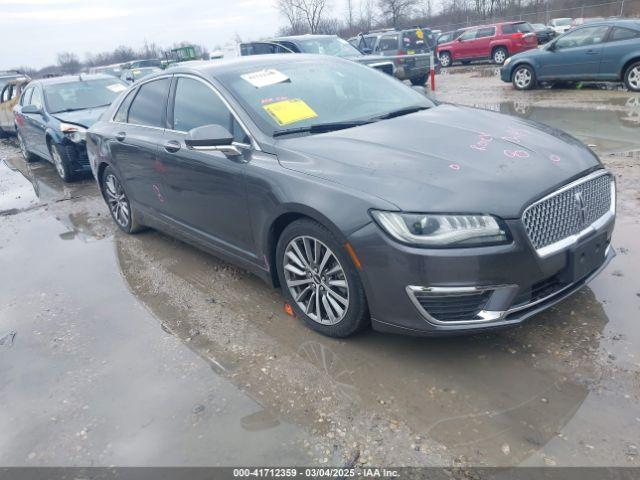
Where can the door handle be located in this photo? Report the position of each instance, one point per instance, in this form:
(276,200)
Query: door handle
(172,146)
(592,52)
(120,136)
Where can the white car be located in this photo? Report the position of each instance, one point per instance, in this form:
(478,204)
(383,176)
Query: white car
(560,25)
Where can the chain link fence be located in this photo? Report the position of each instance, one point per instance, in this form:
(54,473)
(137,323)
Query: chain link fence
(619,8)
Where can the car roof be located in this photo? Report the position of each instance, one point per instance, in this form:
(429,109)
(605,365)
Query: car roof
(74,78)
(294,38)
(216,67)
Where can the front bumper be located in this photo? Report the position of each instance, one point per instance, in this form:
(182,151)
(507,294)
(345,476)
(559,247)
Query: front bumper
(505,74)
(511,282)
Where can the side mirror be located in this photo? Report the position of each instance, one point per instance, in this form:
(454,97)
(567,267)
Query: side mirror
(367,50)
(460,39)
(129,78)
(31,109)
(551,46)
(212,138)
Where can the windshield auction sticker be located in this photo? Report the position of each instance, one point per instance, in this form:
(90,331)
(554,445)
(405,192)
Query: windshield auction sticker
(264,78)
(116,87)
(290,111)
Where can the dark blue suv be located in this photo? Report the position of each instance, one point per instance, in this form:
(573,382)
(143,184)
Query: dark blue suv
(603,51)
(54,114)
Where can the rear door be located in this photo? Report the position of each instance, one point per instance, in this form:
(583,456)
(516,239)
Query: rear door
(576,55)
(620,42)
(206,191)
(138,131)
(35,124)
(482,42)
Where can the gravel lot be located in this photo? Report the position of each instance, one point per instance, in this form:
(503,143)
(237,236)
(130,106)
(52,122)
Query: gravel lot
(141,350)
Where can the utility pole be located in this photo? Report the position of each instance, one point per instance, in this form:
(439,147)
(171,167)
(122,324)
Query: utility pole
(621,8)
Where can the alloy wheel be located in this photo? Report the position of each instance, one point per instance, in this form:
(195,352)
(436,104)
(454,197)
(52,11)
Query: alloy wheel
(57,161)
(117,200)
(316,280)
(634,78)
(444,60)
(523,78)
(500,56)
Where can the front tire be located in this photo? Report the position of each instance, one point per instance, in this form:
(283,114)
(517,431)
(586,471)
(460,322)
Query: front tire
(524,78)
(445,59)
(632,77)
(62,162)
(119,206)
(320,281)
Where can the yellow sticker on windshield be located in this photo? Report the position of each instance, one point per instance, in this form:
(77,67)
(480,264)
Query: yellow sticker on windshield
(290,111)
(420,34)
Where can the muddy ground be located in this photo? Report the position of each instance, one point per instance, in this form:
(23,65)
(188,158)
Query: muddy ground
(141,350)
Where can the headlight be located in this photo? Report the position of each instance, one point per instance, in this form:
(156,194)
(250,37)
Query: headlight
(507,62)
(439,231)
(75,133)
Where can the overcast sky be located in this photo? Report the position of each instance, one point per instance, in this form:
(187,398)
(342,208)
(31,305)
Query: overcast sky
(33,31)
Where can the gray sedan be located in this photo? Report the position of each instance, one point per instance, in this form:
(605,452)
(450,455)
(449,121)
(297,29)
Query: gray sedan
(364,201)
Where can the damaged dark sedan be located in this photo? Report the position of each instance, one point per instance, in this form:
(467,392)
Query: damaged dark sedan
(363,200)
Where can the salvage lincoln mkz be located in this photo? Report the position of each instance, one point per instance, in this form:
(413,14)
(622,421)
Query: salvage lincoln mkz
(364,200)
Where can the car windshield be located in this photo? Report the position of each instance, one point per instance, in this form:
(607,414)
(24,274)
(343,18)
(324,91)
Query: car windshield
(334,46)
(82,95)
(291,95)
(561,22)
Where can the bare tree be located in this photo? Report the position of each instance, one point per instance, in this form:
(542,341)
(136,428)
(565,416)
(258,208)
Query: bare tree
(309,13)
(396,10)
(69,62)
(350,19)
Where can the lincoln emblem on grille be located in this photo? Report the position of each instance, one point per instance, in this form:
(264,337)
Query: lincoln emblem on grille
(581,207)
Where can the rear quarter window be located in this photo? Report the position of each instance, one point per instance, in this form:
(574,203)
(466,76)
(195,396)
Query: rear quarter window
(619,33)
(388,43)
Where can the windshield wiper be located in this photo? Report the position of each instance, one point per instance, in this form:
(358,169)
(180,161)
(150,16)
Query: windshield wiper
(401,111)
(79,108)
(322,127)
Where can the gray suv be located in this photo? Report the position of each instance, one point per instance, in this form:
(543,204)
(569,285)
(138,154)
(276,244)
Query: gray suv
(410,41)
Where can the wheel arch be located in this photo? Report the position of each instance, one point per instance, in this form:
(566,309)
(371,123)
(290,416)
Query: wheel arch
(635,58)
(282,220)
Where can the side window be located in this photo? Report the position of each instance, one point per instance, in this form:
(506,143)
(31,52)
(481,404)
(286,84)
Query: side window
(123,110)
(468,35)
(619,34)
(583,37)
(6,92)
(196,105)
(388,43)
(148,105)
(486,32)
(26,98)
(36,97)
(509,28)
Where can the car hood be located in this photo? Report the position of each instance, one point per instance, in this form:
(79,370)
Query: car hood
(85,118)
(445,159)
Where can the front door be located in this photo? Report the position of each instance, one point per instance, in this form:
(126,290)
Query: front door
(575,56)
(466,45)
(205,190)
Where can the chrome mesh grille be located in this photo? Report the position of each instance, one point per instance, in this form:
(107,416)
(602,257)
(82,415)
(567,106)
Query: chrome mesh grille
(568,212)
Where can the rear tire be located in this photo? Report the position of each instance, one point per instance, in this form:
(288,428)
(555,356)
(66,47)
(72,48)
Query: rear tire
(523,78)
(26,154)
(632,77)
(326,274)
(421,80)
(500,55)
(445,59)
(125,216)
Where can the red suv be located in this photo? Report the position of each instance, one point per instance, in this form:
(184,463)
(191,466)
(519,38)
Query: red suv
(495,42)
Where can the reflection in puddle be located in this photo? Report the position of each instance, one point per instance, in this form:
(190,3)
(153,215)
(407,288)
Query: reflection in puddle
(610,130)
